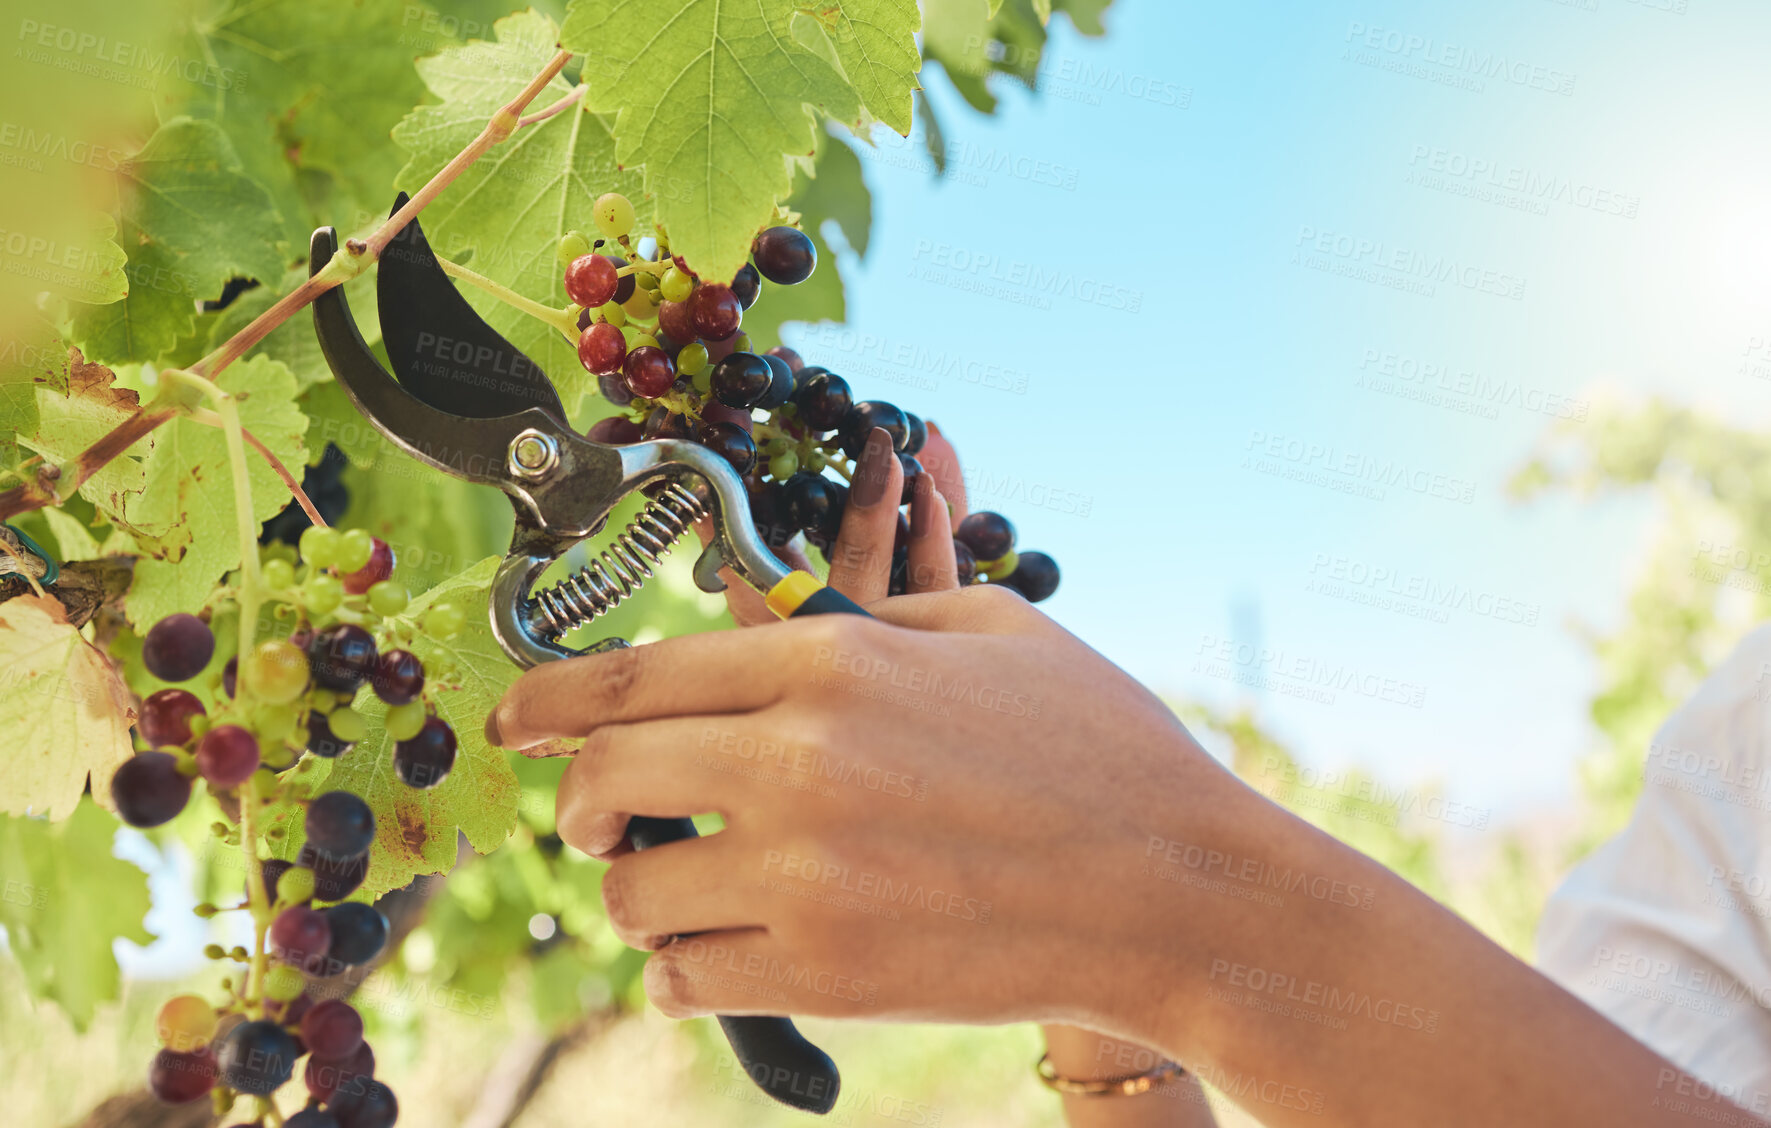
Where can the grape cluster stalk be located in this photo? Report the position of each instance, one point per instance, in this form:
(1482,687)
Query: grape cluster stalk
(350,637)
(669,353)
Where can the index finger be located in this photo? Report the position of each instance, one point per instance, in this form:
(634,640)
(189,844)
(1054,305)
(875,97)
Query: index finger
(668,678)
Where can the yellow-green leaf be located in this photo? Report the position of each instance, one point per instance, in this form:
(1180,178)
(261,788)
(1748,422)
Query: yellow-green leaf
(63,707)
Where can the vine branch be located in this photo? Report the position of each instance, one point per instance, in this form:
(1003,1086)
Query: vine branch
(350,261)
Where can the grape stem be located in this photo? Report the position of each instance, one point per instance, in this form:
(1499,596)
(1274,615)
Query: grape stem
(23,566)
(558,318)
(544,114)
(201,415)
(347,263)
(841,470)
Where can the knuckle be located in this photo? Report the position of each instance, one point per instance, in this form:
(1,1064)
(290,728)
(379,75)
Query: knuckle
(669,984)
(622,906)
(994,599)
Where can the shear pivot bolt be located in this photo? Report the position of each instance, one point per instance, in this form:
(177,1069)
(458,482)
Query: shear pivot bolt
(533,455)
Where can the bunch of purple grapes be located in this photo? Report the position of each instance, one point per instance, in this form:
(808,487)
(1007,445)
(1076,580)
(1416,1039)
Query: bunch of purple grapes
(290,696)
(668,349)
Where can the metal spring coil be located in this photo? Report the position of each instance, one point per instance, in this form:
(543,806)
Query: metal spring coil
(622,568)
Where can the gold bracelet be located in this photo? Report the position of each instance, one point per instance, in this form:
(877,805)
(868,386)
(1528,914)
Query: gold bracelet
(1131,1086)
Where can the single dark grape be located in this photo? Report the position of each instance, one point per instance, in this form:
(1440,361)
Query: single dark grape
(747,286)
(177,647)
(674,318)
(731,442)
(1035,576)
(804,375)
(791,357)
(714,411)
(321,740)
(399,675)
(230,675)
(371,1106)
(623,288)
(807,498)
(425,760)
(312,1118)
(148,789)
(379,568)
(768,511)
(590,280)
(964,562)
(780,388)
(784,255)
(741,379)
(227,756)
(271,869)
(359,932)
(988,535)
(165,720)
(177,1078)
(339,823)
(330,1077)
(664,423)
(648,371)
(616,430)
(823,401)
(301,937)
(257,1057)
(864,417)
(911,468)
(341,656)
(336,876)
(716,311)
(332,1029)
(919,433)
(614,389)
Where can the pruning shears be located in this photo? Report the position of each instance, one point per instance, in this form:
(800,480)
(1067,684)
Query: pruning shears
(465,401)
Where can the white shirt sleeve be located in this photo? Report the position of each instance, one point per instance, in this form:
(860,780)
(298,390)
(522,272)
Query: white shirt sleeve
(1666,929)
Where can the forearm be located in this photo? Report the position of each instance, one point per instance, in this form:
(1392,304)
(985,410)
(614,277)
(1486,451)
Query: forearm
(1326,990)
(1084,1055)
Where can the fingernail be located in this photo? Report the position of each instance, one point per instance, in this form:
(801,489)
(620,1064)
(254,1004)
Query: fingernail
(924,506)
(492,728)
(874,469)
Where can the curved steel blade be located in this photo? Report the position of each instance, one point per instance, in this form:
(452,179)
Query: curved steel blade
(440,349)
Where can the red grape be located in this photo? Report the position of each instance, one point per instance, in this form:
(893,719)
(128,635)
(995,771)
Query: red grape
(1035,576)
(823,402)
(165,720)
(602,348)
(380,567)
(328,1076)
(716,310)
(615,430)
(332,1029)
(864,417)
(741,379)
(731,442)
(177,647)
(591,280)
(398,677)
(227,755)
(341,656)
(257,1057)
(792,358)
(301,936)
(675,319)
(177,1078)
(988,535)
(359,932)
(747,286)
(649,372)
(340,824)
(335,875)
(371,1105)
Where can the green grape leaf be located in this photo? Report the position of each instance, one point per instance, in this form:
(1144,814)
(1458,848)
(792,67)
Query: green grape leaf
(184,518)
(64,708)
(995,5)
(78,404)
(712,97)
(1085,14)
(511,207)
(955,34)
(71,256)
(307,93)
(837,194)
(415,831)
(875,40)
(191,219)
(63,899)
(1043,9)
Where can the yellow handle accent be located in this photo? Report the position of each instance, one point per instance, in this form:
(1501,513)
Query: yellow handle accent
(786,597)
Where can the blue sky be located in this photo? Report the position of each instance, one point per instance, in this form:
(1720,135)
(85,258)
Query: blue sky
(1253,312)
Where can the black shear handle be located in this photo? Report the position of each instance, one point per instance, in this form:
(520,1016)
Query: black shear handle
(771,1050)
